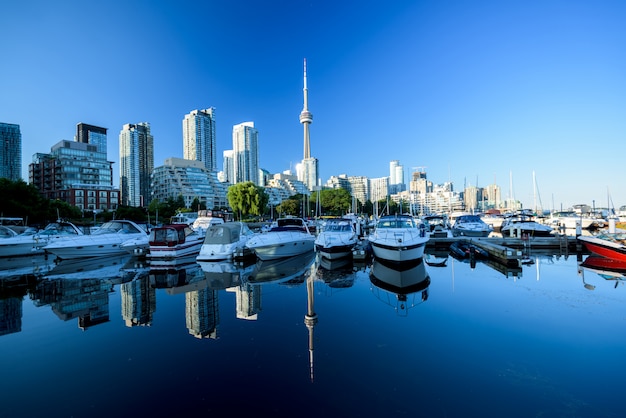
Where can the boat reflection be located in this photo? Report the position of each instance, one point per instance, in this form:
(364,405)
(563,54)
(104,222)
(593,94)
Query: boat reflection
(110,268)
(607,268)
(338,273)
(35,265)
(401,288)
(290,270)
(177,276)
(221,275)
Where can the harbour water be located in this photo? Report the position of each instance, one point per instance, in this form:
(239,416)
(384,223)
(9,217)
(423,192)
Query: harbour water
(115,337)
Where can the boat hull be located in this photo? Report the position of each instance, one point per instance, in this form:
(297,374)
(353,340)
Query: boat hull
(283,249)
(187,248)
(604,247)
(335,252)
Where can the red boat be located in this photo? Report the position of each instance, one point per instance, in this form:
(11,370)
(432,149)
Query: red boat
(612,245)
(605,265)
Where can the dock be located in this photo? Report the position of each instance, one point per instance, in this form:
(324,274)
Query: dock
(510,251)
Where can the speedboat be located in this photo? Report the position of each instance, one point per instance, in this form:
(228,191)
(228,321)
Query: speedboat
(172,241)
(107,240)
(523,224)
(224,241)
(399,238)
(31,241)
(287,237)
(337,239)
(471,226)
(609,245)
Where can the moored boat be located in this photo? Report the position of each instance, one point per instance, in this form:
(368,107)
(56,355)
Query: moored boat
(337,239)
(286,238)
(224,241)
(471,226)
(610,245)
(399,238)
(31,241)
(523,224)
(107,240)
(172,241)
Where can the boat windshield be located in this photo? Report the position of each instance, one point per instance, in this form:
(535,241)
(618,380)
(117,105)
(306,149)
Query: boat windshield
(116,227)
(396,223)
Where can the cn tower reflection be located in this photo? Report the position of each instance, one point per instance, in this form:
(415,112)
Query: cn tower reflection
(310,319)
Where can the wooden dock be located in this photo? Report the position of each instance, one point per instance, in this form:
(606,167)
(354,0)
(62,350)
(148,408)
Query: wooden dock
(510,251)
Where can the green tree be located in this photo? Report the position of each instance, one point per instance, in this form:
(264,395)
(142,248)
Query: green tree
(335,201)
(289,206)
(247,199)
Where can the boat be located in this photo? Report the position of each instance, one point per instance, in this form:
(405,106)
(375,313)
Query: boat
(173,241)
(287,237)
(206,218)
(570,220)
(186,218)
(337,239)
(471,226)
(494,218)
(522,224)
(609,245)
(106,241)
(32,241)
(224,241)
(399,238)
(438,225)
(467,249)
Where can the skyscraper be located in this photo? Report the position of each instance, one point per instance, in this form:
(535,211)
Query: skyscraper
(94,135)
(199,140)
(245,153)
(310,165)
(136,164)
(10,151)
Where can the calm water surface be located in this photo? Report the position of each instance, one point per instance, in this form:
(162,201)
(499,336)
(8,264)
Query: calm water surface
(115,337)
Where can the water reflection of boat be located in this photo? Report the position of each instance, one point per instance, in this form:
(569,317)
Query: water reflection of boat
(14,267)
(222,275)
(436,258)
(91,268)
(336,273)
(607,268)
(284,269)
(402,289)
(172,276)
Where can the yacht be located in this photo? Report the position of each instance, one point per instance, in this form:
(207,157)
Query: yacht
(521,224)
(336,239)
(31,241)
(175,240)
(107,240)
(471,226)
(399,238)
(287,237)
(224,241)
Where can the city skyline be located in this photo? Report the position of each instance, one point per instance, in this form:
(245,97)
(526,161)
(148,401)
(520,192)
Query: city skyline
(475,93)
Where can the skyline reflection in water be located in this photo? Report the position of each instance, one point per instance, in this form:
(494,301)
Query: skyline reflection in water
(306,336)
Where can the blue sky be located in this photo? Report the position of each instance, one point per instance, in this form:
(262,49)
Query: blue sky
(476,92)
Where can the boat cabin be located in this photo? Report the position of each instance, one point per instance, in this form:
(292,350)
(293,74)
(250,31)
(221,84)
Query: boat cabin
(169,235)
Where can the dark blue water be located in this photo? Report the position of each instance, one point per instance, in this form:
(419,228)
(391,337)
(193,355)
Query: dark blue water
(115,338)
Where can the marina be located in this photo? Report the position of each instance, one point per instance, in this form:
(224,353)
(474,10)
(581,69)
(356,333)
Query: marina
(349,337)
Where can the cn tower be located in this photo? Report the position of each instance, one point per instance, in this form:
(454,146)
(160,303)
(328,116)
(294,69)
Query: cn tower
(306,118)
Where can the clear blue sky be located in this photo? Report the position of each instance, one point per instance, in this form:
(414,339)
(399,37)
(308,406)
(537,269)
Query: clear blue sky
(474,91)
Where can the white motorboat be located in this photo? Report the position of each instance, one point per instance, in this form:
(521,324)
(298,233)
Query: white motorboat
(522,224)
(399,238)
(471,226)
(224,241)
(337,239)
(172,241)
(31,241)
(286,238)
(571,220)
(107,240)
